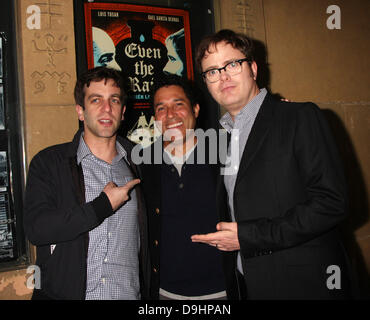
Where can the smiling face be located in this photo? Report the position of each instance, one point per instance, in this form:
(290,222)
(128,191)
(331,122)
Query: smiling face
(231,92)
(103,110)
(174,110)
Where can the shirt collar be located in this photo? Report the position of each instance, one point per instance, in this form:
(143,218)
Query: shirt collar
(84,151)
(249,112)
(121,153)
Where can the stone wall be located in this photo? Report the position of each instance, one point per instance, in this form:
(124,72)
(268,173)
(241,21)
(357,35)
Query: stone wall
(47,69)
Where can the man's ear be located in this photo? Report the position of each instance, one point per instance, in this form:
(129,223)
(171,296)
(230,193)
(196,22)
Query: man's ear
(123,112)
(254,70)
(196,109)
(80,112)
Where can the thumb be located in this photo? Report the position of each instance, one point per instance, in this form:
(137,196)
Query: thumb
(219,226)
(223,226)
(109,185)
(132,183)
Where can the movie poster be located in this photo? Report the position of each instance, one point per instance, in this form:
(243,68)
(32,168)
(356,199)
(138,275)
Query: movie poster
(143,42)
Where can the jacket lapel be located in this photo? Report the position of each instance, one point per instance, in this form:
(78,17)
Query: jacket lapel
(76,170)
(78,179)
(257,135)
(222,206)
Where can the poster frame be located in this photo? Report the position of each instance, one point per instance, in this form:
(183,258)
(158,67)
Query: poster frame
(133,8)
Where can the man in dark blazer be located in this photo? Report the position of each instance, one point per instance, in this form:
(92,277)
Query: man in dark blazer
(283,199)
(83,209)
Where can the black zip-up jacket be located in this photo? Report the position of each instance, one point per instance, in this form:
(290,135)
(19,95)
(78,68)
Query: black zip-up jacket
(55,213)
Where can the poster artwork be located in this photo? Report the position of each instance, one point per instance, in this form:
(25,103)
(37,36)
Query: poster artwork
(143,42)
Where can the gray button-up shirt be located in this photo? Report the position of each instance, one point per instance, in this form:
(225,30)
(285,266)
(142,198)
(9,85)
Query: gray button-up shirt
(240,129)
(112,263)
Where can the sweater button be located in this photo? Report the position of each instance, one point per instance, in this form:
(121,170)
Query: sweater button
(181,185)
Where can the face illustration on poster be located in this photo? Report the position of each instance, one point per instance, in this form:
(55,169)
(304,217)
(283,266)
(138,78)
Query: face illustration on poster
(175,45)
(104,49)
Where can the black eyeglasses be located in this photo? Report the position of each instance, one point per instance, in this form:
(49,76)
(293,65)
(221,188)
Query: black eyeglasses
(232,68)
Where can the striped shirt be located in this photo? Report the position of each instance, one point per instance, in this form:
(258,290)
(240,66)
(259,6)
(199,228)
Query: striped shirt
(112,262)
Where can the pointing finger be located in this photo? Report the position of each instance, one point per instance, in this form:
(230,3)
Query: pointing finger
(204,237)
(132,183)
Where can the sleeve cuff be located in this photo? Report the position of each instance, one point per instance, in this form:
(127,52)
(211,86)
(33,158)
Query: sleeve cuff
(102,207)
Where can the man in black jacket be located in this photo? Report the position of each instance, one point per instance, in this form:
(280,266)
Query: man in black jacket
(83,208)
(281,205)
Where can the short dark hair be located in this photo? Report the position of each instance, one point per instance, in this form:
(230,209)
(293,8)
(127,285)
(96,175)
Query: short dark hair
(175,80)
(237,40)
(98,74)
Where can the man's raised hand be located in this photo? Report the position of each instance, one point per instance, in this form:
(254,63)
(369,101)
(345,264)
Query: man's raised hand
(118,195)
